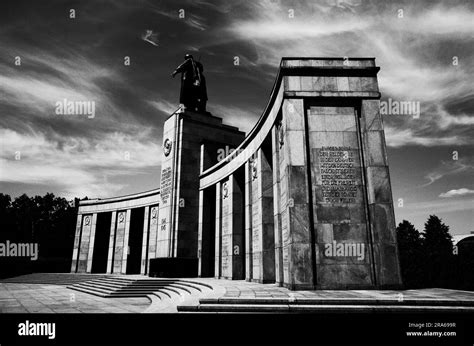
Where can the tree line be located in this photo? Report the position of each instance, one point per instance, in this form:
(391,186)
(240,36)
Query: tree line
(46,220)
(428,259)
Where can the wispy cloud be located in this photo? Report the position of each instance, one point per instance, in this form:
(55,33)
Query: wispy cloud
(53,79)
(78,166)
(407,49)
(397,138)
(243,118)
(457,193)
(150,37)
(447,168)
(163,106)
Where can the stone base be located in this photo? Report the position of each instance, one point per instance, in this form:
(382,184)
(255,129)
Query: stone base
(262,281)
(346,287)
(390,287)
(299,287)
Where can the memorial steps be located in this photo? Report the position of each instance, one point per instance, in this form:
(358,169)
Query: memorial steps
(115,287)
(326,305)
(52,278)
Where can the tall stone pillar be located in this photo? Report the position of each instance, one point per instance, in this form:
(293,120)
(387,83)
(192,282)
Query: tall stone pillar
(184,158)
(85,241)
(126,235)
(201,226)
(119,242)
(153,238)
(263,237)
(144,264)
(77,244)
(277,204)
(91,243)
(232,230)
(296,231)
(218,237)
(110,255)
(168,187)
(381,213)
(248,223)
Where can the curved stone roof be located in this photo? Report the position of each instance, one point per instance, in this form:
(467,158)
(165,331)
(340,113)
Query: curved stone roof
(290,67)
(135,200)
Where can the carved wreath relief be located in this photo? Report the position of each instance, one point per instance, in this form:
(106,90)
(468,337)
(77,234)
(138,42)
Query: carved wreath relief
(167,146)
(281,134)
(153,216)
(253,164)
(225,190)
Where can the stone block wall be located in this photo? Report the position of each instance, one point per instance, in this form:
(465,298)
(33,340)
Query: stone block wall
(380,202)
(77,243)
(232,230)
(342,244)
(120,248)
(85,243)
(113,221)
(294,198)
(262,229)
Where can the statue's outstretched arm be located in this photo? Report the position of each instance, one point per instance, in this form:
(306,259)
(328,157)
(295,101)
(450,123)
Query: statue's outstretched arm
(179,69)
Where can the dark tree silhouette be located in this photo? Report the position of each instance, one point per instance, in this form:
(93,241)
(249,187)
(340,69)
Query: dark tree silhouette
(410,248)
(438,248)
(46,220)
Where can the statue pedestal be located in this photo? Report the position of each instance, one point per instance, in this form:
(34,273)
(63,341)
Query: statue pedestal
(186,136)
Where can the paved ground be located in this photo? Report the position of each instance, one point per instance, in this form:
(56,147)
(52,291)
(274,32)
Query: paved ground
(243,289)
(22,296)
(39,298)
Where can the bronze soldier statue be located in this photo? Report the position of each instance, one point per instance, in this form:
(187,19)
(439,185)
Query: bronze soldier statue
(193,95)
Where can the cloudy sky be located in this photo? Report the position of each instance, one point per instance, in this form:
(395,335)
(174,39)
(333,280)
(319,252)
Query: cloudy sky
(425,50)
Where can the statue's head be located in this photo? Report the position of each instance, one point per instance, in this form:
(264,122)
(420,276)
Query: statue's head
(188,56)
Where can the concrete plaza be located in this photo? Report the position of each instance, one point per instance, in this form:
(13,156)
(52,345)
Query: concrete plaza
(27,294)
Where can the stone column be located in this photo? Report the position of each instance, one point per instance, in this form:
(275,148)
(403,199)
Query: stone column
(200,226)
(276,205)
(263,238)
(152,243)
(111,242)
(218,257)
(125,242)
(169,168)
(296,230)
(381,213)
(248,223)
(84,246)
(119,242)
(91,243)
(77,244)
(232,230)
(144,266)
